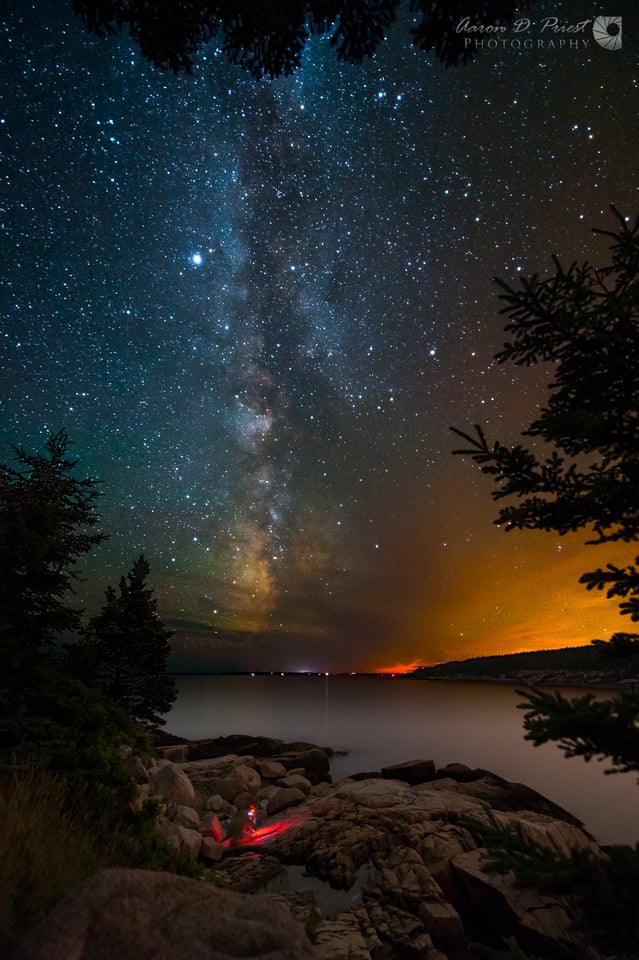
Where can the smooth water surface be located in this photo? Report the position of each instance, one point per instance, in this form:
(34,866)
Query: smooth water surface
(381,721)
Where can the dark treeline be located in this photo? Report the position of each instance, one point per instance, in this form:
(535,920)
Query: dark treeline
(577,660)
(75,697)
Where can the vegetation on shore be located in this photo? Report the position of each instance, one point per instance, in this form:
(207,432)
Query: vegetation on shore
(577,469)
(580,665)
(578,466)
(606,887)
(70,697)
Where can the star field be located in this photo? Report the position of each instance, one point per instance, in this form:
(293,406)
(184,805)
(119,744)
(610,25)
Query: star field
(257,307)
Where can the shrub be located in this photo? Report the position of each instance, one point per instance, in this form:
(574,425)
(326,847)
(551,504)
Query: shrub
(510,950)
(45,849)
(605,886)
(53,837)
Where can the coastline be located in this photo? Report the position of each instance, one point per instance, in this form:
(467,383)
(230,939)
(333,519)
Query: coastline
(540,679)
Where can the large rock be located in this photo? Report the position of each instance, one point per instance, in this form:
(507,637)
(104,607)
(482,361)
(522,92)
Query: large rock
(315,762)
(413,771)
(502,794)
(184,816)
(271,769)
(136,768)
(142,915)
(177,753)
(457,771)
(298,781)
(283,798)
(224,776)
(242,745)
(172,784)
(211,850)
(543,923)
(177,837)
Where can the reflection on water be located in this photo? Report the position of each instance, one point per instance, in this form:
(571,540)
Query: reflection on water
(330,900)
(381,721)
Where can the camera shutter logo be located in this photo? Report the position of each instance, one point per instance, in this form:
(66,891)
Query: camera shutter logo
(603,36)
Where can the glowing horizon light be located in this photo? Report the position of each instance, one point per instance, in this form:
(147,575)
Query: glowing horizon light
(401,668)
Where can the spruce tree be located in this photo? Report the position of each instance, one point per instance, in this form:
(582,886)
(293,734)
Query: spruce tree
(581,472)
(127,647)
(47,522)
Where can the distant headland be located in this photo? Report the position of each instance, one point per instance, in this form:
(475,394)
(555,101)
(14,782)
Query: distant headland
(569,666)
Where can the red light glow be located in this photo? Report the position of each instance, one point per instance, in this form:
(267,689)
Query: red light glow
(256,836)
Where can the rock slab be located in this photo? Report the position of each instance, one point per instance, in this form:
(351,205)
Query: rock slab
(144,915)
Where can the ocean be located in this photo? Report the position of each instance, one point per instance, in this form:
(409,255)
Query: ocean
(373,722)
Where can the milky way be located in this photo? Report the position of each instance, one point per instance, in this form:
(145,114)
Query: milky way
(257,307)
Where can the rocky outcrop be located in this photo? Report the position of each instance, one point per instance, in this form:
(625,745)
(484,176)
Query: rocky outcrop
(544,923)
(414,771)
(144,915)
(299,754)
(205,801)
(394,865)
(498,793)
(429,885)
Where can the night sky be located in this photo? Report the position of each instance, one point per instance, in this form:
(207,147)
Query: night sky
(258,307)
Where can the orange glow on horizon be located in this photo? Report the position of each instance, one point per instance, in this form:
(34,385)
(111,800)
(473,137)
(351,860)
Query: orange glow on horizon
(492,593)
(400,667)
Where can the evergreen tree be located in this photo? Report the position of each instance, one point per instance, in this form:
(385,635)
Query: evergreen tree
(127,648)
(584,323)
(47,522)
(268,39)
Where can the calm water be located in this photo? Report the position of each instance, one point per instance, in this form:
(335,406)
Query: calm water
(384,721)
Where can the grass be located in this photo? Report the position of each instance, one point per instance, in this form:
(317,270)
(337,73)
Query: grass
(46,848)
(52,838)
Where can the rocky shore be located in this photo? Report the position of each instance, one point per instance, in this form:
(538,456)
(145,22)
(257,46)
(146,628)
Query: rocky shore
(382,866)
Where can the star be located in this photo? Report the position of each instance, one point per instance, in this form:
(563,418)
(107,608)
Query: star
(252,424)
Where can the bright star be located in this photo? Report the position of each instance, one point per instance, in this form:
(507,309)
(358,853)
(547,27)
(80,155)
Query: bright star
(196,259)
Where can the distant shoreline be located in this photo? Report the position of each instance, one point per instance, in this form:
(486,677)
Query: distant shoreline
(584,666)
(538,681)
(354,675)
(524,678)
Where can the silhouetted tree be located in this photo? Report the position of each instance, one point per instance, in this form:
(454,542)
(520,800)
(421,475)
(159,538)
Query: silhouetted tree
(47,522)
(584,322)
(268,39)
(621,646)
(127,648)
(585,727)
